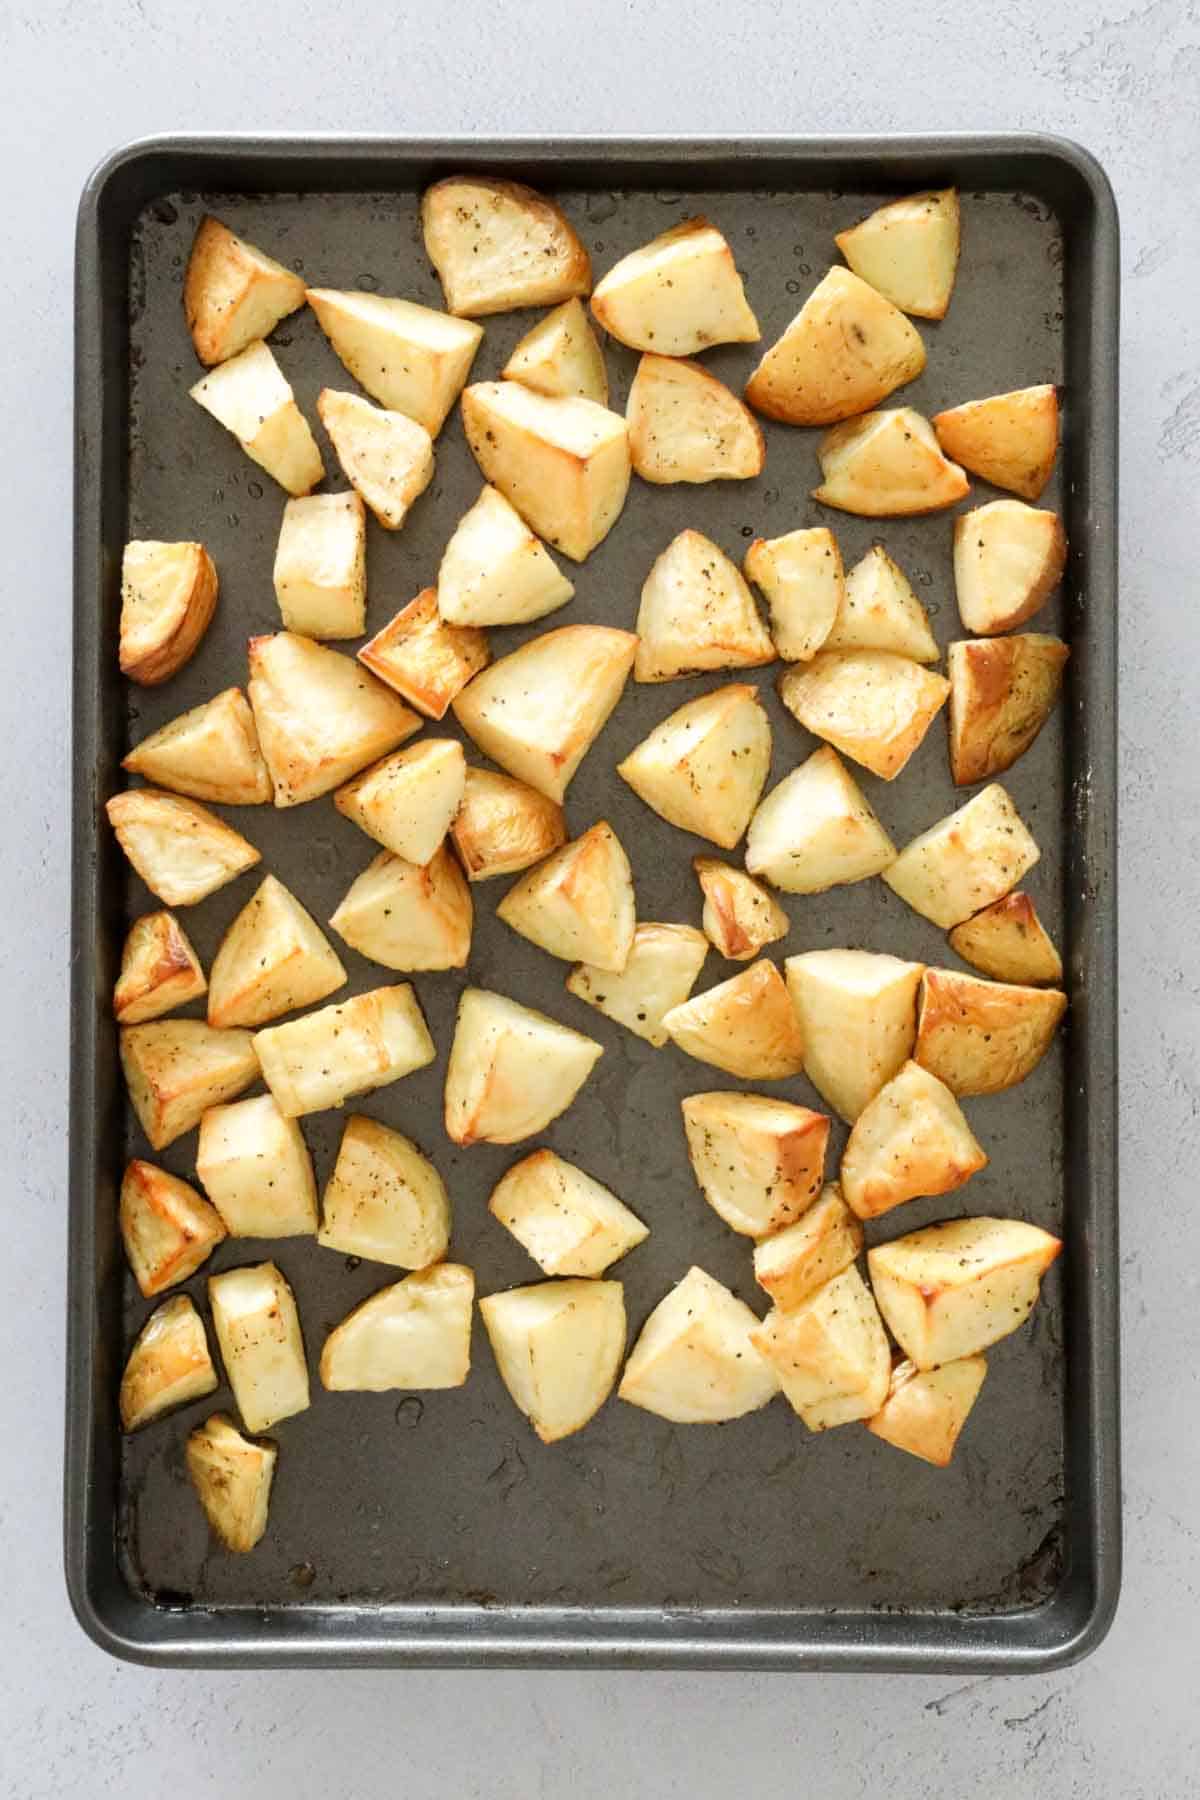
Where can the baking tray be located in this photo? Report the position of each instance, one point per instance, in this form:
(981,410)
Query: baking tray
(436,1530)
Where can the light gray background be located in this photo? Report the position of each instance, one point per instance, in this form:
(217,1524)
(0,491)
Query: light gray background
(1124,80)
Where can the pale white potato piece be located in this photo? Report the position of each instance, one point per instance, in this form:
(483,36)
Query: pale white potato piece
(320,716)
(980,1037)
(414,1334)
(879,611)
(495,571)
(209,753)
(561,356)
(511,1070)
(176,1069)
(255,1168)
(887,465)
(950,1290)
(1008,941)
(232,1477)
(694,1361)
(685,425)
(423,658)
(858,1017)
(1010,439)
(660,972)
(926,1410)
(793,1263)
(385,456)
(408,916)
(1008,559)
(816,830)
(320,571)
(351,1048)
(579,904)
(251,397)
(968,859)
(908,250)
(760,1162)
(503,825)
(911,1139)
(168,1365)
(697,614)
(273,959)
(168,1229)
(871,705)
(412,359)
(801,574)
(385,1201)
(677,295)
(845,351)
(407,801)
(168,594)
(159,970)
(569,1222)
(181,850)
(704,767)
(233,292)
(498,245)
(538,711)
(558,1346)
(563,463)
(1002,691)
(740,917)
(830,1352)
(258,1329)
(746,1026)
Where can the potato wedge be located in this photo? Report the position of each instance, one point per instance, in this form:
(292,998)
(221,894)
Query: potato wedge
(209,753)
(660,972)
(704,767)
(168,596)
(251,397)
(801,574)
(423,658)
(255,1168)
(168,1229)
(385,456)
(697,614)
(694,1361)
(908,251)
(847,349)
(181,850)
(740,917)
(351,1048)
(233,292)
(408,916)
(494,571)
(926,1410)
(385,1201)
(407,801)
(258,1329)
(320,571)
(176,1069)
(232,1476)
(273,959)
(159,970)
(871,705)
(879,611)
(815,830)
(887,465)
(793,1263)
(760,1162)
(504,825)
(1008,559)
(911,1139)
(745,1025)
(677,295)
(1008,941)
(414,1334)
(558,1347)
(1010,440)
(830,1353)
(968,859)
(950,1290)
(498,245)
(685,425)
(980,1037)
(1002,691)
(412,359)
(168,1365)
(578,904)
(538,711)
(511,1070)
(562,463)
(858,1018)
(561,356)
(570,1223)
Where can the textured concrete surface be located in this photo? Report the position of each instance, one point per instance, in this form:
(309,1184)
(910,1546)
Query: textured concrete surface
(1124,81)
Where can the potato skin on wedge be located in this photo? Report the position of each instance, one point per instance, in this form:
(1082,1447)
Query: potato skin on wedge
(740,917)
(1002,691)
(498,245)
(233,292)
(697,614)
(1008,560)
(1010,440)
(1008,941)
(802,576)
(847,349)
(676,295)
(504,825)
(168,596)
(981,1037)
(908,250)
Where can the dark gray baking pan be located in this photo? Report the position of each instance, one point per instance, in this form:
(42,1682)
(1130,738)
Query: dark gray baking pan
(435,1529)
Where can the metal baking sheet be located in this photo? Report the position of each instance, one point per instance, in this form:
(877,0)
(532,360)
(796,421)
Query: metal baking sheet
(435,1528)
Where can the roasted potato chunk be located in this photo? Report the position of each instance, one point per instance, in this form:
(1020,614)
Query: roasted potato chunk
(250,396)
(695,1360)
(678,294)
(273,959)
(233,293)
(176,1069)
(561,357)
(697,614)
(232,1477)
(926,1410)
(258,1328)
(871,705)
(685,425)
(801,574)
(511,1070)
(168,1229)
(830,1353)
(168,596)
(414,1334)
(569,1222)
(578,904)
(412,359)
(503,825)
(1008,560)
(816,830)
(858,1019)
(908,251)
(255,1168)
(385,456)
(210,753)
(181,850)
(704,767)
(980,1037)
(498,245)
(879,611)
(745,1025)
(1008,941)
(887,465)
(846,350)
(494,571)
(407,801)
(385,1201)
(1002,691)
(950,1290)
(320,569)
(159,970)
(558,1346)
(793,1263)
(360,1044)
(968,859)
(407,915)
(659,973)
(423,658)
(740,917)
(911,1139)
(759,1162)
(168,1365)
(1010,440)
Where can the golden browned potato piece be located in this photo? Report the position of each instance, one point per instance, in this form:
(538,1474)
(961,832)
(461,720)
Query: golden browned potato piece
(704,767)
(1002,691)
(760,1162)
(685,425)
(181,850)
(168,593)
(1010,440)
(1008,941)
(911,1139)
(697,614)
(320,569)
(360,1044)
(169,1364)
(561,356)
(168,1229)
(740,917)
(745,1025)
(968,859)
(251,397)
(660,972)
(871,705)
(412,359)
(504,825)
(385,1201)
(858,1018)
(879,611)
(695,1361)
(255,1168)
(815,830)
(887,465)
(159,970)
(258,1328)
(926,1410)
(1008,560)
(558,1347)
(846,350)
(579,903)
(176,1069)
(385,456)
(801,574)
(567,1220)
(233,293)
(210,753)
(232,1477)
(908,250)
(414,1334)
(950,1290)
(273,959)
(830,1352)
(793,1263)
(980,1037)
(511,1070)
(407,915)
(494,571)
(677,295)
(407,801)
(423,658)
(498,245)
